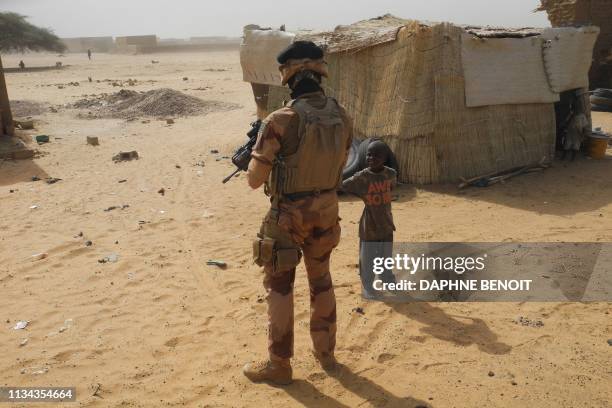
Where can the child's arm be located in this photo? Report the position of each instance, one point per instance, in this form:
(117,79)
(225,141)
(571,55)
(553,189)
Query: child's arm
(353,185)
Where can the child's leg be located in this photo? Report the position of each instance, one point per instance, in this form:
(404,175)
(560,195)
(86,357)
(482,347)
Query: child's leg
(387,252)
(366,259)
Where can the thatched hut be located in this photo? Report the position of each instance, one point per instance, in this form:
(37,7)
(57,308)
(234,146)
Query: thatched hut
(6,118)
(452,101)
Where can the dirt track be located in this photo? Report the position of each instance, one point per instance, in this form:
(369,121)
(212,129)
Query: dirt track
(160,328)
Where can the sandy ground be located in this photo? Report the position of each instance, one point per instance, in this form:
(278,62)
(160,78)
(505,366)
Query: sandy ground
(161,328)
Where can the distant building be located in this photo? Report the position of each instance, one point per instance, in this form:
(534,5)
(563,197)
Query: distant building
(562,13)
(95,44)
(135,43)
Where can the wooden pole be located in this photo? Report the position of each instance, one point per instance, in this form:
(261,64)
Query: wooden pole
(5,108)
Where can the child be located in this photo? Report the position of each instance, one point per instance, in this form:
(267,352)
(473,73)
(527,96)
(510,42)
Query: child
(373,185)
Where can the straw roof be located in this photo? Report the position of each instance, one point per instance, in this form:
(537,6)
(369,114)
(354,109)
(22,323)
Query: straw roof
(357,36)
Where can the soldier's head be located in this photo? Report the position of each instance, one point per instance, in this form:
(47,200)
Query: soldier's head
(377,155)
(300,62)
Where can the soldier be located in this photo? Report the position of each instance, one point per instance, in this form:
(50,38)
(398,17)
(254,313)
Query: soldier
(299,154)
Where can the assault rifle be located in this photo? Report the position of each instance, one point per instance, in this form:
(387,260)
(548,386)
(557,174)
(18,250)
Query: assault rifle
(242,157)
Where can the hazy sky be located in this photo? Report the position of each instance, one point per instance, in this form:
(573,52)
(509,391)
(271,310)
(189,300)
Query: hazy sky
(185,18)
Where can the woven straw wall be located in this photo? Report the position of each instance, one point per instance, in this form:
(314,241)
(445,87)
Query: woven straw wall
(411,93)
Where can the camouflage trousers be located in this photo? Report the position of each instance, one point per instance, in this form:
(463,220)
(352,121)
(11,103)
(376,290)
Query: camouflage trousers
(309,227)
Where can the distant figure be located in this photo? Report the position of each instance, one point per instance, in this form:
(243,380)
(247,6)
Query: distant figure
(21,65)
(89,53)
(282,28)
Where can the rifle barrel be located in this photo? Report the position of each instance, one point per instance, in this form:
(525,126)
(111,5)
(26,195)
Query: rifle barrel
(228,178)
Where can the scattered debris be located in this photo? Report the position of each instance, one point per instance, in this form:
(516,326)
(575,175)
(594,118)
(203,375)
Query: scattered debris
(161,191)
(115,207)
(109,258)
(185,79)
(359,310)
(88,243)
(170,121)
(220,264)
(609,342)
(95,389)
(52,180)
(214,151)
(122,181)
(40,139)
(23,342)
(25,109)
(126,156)
(20,325)
(33,207)
(501,177)
(93,140)
(177,166)
(35,178)
(524,321)
(491,374)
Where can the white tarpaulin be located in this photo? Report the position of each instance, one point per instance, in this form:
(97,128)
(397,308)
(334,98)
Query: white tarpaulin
(535,69)
(567,56)
(258,53)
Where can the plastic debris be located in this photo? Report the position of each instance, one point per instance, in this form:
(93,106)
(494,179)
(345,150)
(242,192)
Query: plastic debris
(20,325)
(214,262)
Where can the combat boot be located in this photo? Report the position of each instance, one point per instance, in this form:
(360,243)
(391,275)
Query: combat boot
(327,360)
(269,371)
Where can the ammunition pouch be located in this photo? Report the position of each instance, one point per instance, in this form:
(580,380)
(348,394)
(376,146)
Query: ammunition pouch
(266,253)
(263,251)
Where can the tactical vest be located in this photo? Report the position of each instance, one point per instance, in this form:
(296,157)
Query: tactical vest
(317,163)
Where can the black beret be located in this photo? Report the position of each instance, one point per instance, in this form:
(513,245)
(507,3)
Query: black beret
(299,50)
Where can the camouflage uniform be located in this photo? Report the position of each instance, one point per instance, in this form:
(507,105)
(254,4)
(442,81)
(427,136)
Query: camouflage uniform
(307,224)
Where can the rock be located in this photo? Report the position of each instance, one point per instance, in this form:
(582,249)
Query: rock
(161,191)
(35,178)
(609,342)
(38,257)
(88,243)
(93,141)
(170,121)
(126,156)
(359,310)
(185,79)
(109,258)
(214,151)
(491,374)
